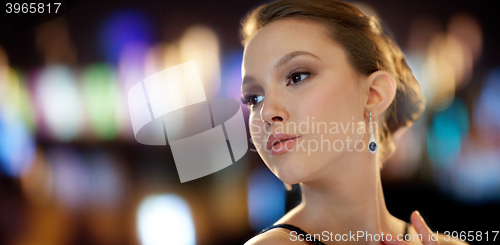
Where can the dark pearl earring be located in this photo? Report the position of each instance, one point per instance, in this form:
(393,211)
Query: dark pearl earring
(372,143)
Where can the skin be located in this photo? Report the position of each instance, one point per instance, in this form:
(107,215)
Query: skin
(341,189)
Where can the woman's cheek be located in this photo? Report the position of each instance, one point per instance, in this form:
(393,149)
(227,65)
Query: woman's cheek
(322,102)
(256,131)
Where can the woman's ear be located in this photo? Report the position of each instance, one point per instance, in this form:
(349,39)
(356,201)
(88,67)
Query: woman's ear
(381,92)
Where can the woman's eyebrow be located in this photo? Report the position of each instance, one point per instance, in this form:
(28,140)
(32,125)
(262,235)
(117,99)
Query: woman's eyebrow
(287,57)
(248,79)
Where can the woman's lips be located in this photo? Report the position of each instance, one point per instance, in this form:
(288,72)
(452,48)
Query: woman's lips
(281,143)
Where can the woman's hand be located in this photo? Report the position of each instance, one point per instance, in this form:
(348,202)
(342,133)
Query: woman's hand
(422,229)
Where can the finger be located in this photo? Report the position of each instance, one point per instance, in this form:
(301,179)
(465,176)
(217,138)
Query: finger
(421,227)
(387,241)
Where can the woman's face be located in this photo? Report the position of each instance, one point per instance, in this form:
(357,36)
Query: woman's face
(303,92)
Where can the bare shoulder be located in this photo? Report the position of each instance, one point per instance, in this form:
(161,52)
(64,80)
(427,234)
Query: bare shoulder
(276,236)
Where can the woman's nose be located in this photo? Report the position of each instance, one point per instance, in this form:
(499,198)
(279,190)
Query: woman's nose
(273,110)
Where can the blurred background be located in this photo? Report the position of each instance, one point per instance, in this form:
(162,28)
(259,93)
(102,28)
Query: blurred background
(71,171)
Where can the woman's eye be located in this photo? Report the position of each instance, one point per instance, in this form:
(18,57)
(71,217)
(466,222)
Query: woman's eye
(297,77)
(252,100)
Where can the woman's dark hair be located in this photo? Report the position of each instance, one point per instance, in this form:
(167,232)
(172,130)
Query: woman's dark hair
(368,50)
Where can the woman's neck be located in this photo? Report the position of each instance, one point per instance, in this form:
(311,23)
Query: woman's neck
(347,200)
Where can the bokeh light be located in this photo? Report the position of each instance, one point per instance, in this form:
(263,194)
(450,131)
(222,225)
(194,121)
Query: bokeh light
(165,219)
(60,102)
(17,148)
(102,96)
(231,75)
(475,179)
(37,182)
(446,133)
(266,198)
(486,108)
(9,93)
(70,177)
(201,44)
(466,28)
(124,29)
(55,50)
(106,185)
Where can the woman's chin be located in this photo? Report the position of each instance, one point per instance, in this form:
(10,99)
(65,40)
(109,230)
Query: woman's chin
(293,177)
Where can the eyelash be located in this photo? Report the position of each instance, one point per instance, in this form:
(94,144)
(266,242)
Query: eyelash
(246,99)
(294,73)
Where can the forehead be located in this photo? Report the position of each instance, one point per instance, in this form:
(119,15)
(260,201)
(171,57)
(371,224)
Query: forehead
(284,36)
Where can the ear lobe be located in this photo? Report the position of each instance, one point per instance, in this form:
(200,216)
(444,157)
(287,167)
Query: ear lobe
(382,90)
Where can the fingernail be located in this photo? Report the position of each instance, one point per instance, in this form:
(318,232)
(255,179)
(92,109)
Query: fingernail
(420,216)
